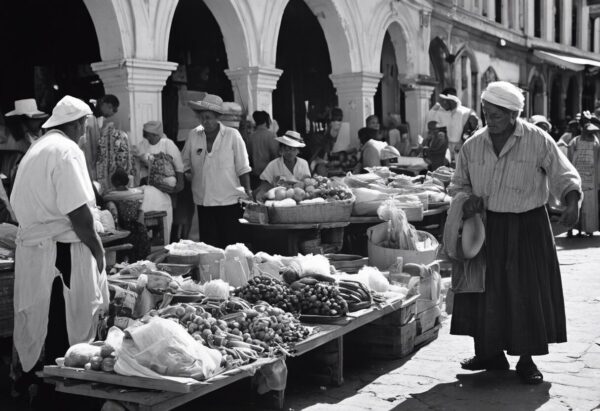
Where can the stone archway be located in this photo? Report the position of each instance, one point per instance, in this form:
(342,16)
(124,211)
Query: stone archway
(488,76)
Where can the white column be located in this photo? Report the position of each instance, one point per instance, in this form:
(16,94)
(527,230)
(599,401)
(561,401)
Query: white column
(491,9)
(583,18)
(547,9)
(597,35)
(505,12)
(529,17)
(355,93)
(253,87)
(417,107)
(566,21)
(138,85)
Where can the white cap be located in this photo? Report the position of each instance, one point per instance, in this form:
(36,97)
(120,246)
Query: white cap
(66,110)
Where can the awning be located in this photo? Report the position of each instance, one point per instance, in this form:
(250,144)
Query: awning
(566,62)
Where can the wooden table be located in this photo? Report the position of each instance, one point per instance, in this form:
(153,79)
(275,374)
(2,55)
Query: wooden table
(147,399)
(294,231)
(151,398)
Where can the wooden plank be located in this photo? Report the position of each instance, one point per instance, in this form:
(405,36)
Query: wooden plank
(427,336)
(122,380)
(154,400)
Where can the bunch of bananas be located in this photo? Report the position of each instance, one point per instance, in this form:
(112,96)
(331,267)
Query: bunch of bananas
(356,294)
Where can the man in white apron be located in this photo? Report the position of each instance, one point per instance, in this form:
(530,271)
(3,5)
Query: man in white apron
(60,281)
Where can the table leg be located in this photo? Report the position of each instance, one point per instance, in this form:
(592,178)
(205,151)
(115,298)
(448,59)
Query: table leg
(337,375)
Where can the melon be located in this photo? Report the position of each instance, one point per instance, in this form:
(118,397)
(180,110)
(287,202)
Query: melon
(280,193)
(289,193)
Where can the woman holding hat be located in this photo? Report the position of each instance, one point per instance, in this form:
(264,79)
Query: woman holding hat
(511,166)
(216,160)
(288,166)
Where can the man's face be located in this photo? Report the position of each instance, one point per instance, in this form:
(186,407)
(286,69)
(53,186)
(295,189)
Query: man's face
(151,137)
(447,105)
(498,119)
(208,119)
(108,110)
(544,126)
(335,125)
(373,123)
(289,153)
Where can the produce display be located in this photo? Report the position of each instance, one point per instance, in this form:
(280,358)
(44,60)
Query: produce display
(269,290)
(319,298)
(309,191)
(356,294)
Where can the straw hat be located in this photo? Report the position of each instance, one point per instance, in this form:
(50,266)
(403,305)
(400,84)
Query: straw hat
(66,110)
(27,107)
(210,102)
(154,127)
(292,139)
(473,236)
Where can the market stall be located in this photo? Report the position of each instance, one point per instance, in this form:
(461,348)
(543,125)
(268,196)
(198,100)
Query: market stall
(170,339)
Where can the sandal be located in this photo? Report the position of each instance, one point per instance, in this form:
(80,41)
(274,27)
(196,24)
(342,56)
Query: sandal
(529,373)
(495,363)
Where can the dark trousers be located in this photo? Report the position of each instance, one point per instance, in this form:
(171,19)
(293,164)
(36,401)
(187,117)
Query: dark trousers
(219,226)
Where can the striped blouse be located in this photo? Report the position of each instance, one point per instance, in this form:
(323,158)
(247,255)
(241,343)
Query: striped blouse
(518,180)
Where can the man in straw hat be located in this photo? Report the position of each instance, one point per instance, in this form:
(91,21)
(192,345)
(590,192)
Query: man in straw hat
(60,283)
(512,165)
(215,157)
(29,120)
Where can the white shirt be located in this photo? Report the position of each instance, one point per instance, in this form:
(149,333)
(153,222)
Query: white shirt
(215,175)
(277,168)
(529,167)
(164,145)
(454,120)
(52,181)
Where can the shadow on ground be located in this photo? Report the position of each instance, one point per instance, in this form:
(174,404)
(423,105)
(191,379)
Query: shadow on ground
(499,390)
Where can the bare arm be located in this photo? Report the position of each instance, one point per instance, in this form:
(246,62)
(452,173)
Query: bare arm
(83,224)
(245,181)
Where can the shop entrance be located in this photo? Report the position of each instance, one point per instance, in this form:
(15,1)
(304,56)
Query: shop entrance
(48,53)
(536,96)
(305,94)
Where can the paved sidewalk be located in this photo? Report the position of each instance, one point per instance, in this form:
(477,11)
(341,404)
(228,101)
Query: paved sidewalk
(432,378)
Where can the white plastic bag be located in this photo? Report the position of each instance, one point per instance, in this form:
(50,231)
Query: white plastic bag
(163,348)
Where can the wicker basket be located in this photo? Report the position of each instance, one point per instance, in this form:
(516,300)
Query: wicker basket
(333,211)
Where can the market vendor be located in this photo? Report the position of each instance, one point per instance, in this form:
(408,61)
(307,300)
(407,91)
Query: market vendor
(512,165)
(60,282)
(216,160)
(156,142)
(288,166)
(370,147)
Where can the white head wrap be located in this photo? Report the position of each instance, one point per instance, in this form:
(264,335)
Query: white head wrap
(504,94)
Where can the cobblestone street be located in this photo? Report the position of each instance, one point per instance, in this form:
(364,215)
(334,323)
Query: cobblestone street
(432,378)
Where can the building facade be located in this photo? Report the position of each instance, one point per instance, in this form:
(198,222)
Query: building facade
(366,56)
(547,47)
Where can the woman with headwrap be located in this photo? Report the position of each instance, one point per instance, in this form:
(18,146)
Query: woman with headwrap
(512,165)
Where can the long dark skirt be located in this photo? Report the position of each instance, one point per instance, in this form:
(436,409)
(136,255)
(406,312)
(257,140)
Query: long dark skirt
(522,309)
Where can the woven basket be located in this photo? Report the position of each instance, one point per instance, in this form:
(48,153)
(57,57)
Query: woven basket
(333,211)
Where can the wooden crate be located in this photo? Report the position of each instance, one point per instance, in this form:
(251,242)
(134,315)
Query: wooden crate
(427,336)
(428,319)
(403,316)
(385,341)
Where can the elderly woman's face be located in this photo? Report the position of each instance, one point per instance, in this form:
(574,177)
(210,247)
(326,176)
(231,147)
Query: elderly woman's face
(208,119)
(498,120)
